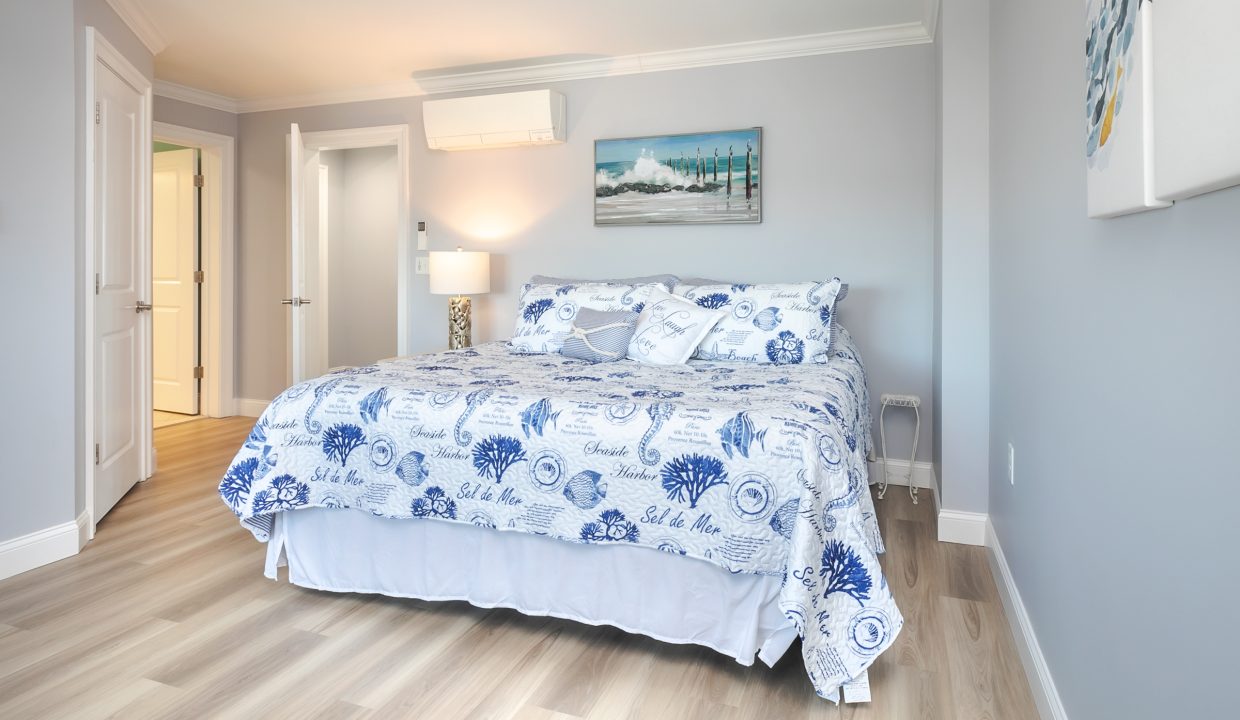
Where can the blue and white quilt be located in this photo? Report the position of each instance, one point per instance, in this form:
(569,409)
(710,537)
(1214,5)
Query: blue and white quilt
(755,468)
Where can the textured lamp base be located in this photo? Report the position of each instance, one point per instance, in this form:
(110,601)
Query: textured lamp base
(459,330)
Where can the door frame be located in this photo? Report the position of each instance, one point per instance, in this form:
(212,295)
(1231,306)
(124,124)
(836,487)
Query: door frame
(98,49)
(366,137)
(217,242)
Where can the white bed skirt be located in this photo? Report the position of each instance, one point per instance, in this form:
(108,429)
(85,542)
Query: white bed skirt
(667,597)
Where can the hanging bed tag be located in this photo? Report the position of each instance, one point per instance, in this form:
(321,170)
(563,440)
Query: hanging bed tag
(857,690)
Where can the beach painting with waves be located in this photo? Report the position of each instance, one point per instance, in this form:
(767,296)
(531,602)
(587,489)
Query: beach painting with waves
(711,177)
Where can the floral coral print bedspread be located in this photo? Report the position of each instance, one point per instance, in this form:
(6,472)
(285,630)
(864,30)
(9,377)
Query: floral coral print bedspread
(754,468)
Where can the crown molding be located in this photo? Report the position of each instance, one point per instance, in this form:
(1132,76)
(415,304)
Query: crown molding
(173,91)
(932,19)
(872,38)
(132,14)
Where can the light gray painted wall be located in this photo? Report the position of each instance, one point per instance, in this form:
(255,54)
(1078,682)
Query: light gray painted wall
(962,260)
(99,15)
(362,216)
(1115,350)
(176,112)
(36,267)
(849,149)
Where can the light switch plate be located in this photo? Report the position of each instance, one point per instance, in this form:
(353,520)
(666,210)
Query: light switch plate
(421,265)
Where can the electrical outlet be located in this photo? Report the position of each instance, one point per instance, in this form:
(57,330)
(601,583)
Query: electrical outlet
(421,265)
(1011,464)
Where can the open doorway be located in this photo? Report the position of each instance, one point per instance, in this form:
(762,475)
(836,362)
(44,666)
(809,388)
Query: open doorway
(357,238)
(348,248)
(176,319)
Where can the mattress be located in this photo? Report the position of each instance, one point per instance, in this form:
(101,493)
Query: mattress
(754,469)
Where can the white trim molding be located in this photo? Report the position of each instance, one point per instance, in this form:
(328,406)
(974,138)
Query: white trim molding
(247,407)
(966,528)
(132,14)
(43,546)
(217,252)
(870,38)
(1041,684)
(173,91)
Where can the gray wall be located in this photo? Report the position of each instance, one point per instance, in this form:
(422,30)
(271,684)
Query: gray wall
(36,267)
(362,215)
(1114,358)
(175,112)
(849,149)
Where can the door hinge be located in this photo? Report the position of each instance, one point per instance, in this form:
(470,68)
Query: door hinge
(200,276)
(96,453)
(199,373)
(96,283)
(97,115)
(199,181)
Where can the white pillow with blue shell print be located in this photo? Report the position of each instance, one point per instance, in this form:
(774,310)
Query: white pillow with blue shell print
(774,323)
(546,312)
(670,329)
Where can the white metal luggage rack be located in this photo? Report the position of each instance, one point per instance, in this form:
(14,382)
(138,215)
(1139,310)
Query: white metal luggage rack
(908,401)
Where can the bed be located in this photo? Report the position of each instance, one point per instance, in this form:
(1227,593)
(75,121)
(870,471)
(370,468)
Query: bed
(716,503)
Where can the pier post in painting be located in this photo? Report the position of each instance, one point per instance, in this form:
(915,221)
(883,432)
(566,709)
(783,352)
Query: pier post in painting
(716,176)
(748,171)
(729,170)
(697,167)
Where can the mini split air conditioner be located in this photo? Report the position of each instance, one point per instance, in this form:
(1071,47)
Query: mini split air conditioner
(535,117)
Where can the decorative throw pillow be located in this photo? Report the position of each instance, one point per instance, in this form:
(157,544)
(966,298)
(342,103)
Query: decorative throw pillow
(667,281)
(670,329)
(780,323)
(546,312)
(598,336)
(684,285)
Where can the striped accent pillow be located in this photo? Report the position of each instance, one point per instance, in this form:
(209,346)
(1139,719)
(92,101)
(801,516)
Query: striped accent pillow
(600,336)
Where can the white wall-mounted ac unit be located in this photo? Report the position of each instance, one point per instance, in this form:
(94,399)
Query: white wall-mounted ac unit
(534,117)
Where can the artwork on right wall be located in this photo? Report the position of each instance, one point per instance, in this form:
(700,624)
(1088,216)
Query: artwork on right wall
(1197,110)
(1118,116)
(1162,102)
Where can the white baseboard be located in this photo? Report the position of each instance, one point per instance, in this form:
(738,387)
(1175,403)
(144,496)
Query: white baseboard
(42,547)
(83,529)
(966,528)
(251,408)
(1041,684)
(922,475)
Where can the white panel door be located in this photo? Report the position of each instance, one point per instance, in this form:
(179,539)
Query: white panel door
(307,360)
(120,317)
(174,319)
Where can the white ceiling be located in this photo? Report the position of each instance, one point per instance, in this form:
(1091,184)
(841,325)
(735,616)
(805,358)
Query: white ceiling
(251,50)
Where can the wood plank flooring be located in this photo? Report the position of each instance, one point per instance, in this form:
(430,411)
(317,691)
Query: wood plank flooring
(166,614)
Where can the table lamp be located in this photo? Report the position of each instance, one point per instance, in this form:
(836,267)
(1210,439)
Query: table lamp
(460,274)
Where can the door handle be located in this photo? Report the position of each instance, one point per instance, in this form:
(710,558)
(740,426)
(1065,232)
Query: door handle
(295,301)
(140,307)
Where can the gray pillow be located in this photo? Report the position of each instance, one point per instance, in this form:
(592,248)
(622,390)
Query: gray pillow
(667,281)
(598,336)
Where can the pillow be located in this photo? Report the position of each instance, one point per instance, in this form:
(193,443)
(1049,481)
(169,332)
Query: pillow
(670,329)
(685,284)
(598,336)
(667,281)
(780,323)
(545,314)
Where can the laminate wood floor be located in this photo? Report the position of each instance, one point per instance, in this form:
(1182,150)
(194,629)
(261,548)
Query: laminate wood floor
(166,614)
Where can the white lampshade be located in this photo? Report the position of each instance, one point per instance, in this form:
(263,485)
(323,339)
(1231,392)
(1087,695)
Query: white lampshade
(460,273)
